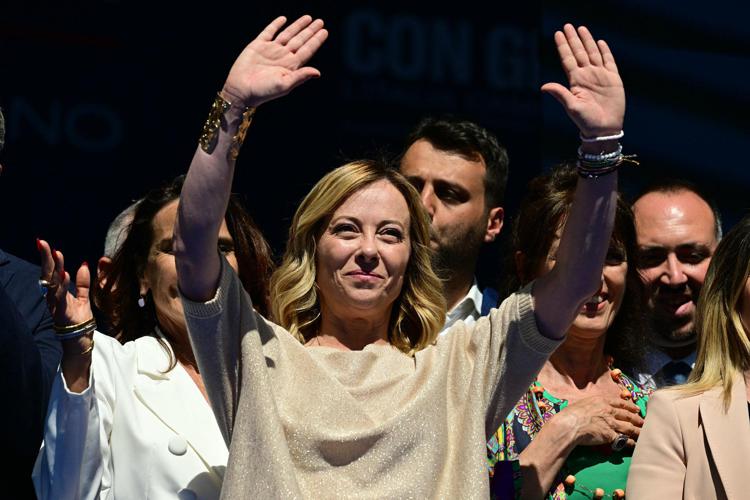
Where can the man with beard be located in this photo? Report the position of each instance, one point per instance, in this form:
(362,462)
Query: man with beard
(460,170)
(678,229)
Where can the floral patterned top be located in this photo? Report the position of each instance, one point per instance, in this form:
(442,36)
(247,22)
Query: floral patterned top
(593,466)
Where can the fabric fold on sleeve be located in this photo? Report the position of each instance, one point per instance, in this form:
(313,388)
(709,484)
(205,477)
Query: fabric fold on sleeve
(213,306)
(530,333)
(70,464)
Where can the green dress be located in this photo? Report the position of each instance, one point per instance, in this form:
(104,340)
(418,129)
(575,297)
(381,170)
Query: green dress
(593,466)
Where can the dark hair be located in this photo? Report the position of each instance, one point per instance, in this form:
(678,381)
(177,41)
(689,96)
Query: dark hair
(118,298)
(672,186)
(543,210)
(472,142)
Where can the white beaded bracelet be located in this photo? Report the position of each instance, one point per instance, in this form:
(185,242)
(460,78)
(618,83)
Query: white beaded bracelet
(600,157)
(602,138)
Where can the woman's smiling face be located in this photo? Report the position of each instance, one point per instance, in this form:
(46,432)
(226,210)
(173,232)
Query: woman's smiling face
(363,252)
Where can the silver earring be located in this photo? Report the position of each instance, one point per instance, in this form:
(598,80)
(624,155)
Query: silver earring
(141,301)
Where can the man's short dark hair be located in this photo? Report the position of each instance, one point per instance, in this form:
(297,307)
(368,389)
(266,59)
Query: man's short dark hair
(673,186)
(472,142)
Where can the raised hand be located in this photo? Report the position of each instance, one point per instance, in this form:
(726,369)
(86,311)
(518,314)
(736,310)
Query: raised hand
(595,100)
(66,308)
(271,66)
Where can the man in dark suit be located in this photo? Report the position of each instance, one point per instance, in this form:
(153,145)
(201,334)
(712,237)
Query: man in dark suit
(29,356)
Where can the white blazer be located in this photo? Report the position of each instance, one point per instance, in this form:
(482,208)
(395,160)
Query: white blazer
(135,432)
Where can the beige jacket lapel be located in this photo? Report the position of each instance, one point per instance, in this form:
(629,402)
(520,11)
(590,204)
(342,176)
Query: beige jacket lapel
(175,399)
(728,436)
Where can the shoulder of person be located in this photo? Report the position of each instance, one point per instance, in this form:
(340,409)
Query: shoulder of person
(23,276)
(110,348)
(682,401)
(20,278)
(18,265)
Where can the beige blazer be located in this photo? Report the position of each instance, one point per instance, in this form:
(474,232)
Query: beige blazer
(691,448)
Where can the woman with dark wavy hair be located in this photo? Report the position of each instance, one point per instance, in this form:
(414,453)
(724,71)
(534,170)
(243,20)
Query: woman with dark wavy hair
(129,418)
(136,265)
(575,406)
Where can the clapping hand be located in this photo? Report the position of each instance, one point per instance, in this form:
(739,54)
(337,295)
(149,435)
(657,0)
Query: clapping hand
(66,308)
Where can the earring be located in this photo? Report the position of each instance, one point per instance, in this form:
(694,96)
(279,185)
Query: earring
(141,302)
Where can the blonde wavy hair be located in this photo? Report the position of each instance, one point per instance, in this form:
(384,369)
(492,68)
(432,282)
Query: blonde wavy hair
(723,343)
(419,311)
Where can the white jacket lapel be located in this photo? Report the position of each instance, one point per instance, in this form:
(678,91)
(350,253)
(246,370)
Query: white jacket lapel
(175,399)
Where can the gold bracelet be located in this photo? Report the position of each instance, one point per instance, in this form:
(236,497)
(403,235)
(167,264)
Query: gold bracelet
(239,138)
(89,348)
(70,328)
(210,132)
(213,122)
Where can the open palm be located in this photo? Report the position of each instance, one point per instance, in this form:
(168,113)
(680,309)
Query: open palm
(595,99)
(271,66)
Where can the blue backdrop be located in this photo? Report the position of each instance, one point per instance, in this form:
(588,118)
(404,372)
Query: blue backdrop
(106,99)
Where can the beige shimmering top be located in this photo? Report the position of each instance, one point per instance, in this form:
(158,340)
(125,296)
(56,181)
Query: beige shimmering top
(316,422)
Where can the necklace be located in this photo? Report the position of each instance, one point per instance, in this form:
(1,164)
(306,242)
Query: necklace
(547,406)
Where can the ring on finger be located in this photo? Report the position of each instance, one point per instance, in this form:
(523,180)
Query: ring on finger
(619,443)
(47,285)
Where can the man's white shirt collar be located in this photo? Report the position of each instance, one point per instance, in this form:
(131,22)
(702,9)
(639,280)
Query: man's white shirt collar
(468,309)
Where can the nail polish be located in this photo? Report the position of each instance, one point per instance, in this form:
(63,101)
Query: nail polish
(38,245)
